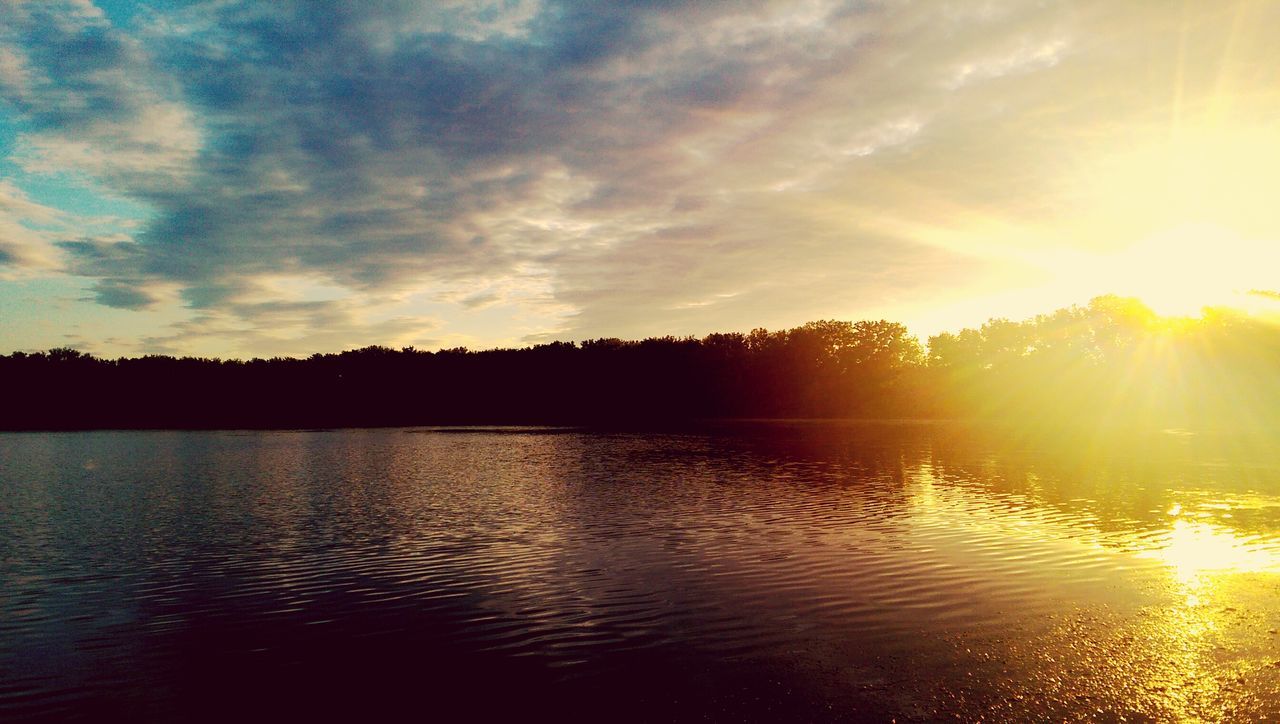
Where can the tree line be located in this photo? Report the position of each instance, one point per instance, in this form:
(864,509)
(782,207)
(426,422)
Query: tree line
(1112,359)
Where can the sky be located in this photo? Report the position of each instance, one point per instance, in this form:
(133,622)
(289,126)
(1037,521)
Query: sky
(236,179)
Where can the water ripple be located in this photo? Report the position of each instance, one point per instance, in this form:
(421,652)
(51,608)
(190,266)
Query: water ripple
(703,568)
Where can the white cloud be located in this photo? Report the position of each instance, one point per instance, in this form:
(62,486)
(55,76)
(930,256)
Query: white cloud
(152,149)
(14,75)
(24,250)
(1025,58)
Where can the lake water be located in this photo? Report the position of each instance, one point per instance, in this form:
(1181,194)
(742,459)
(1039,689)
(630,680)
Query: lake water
(816,571)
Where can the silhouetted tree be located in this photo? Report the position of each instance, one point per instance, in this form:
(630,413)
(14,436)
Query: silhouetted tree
(1112,359)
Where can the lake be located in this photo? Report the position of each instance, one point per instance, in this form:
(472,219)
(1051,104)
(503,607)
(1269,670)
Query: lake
(747,571)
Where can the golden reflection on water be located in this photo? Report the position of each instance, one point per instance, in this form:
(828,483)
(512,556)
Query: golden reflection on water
(1196,551)
(1181,622)
(1210,632)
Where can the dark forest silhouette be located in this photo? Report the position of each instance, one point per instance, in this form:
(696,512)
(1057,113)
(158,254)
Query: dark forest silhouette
(1113,360)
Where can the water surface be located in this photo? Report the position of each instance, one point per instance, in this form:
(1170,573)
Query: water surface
(748,571)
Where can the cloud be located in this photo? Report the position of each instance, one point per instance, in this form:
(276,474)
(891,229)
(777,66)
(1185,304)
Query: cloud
(611,168)
(15,202)
(14,76)
(121,295)
(92,99)
(286,329)
(25,247)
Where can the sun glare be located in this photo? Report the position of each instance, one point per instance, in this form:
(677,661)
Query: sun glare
(1185,220)
(1194,549)
(1180,271)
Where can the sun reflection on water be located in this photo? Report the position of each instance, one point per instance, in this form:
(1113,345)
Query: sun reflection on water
(1182,625)
(1195,550)
(1192,663)
(1196,655)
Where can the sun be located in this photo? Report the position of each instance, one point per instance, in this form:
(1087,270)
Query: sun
(1181,217)
(1180,271)
(1187,217)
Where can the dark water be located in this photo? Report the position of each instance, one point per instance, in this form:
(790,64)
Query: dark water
(749,572)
